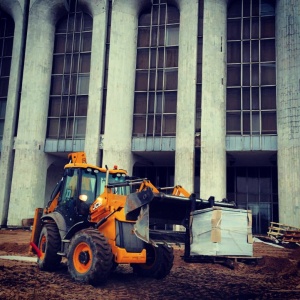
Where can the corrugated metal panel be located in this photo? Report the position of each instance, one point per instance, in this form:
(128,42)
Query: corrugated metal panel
(250,143)
(64,145)
(153,144)
(269,142)
(50,145)
(256,143)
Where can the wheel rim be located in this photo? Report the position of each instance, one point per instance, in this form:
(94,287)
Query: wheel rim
(82,257)
(42,246)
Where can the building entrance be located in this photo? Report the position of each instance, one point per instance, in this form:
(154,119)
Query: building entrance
(255,188)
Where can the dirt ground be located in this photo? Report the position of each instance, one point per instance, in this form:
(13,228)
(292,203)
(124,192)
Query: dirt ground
(275,276)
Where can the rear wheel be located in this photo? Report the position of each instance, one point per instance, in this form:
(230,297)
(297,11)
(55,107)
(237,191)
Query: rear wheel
(90,257)
(49,246)
(159,262)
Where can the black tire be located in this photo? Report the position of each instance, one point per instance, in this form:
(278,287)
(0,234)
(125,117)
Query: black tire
(90,257)
(159,262)
(49,246)
(114,265)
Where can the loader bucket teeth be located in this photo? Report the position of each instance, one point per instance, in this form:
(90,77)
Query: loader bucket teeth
(135,201)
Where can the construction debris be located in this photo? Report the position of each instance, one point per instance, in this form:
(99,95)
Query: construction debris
(284,233)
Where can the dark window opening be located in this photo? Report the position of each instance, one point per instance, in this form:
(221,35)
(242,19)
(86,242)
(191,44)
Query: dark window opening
(251,68)
(7,28)
(70,76)
(255,188)
(156,71)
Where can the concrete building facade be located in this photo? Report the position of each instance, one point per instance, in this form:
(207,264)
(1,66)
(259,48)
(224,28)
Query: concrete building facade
(201,93)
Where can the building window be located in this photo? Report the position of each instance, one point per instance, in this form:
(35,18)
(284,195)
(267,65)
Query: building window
(156,71)
(108,31)
(7,28)
(255,188)
(70,75)
(251,68)
(199,68)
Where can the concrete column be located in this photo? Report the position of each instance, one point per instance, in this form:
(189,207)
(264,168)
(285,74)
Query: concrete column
(186,97)
(121,80)
(288,109)
(213,151)
(16,10)
(30,167)
(92,137)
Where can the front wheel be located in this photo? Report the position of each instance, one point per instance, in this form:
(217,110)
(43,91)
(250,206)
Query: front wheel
(49,246)
(159,262)
(90,257)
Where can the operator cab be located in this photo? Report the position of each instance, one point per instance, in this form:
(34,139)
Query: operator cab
(79,189)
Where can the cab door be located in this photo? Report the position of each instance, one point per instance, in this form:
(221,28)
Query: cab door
(88,187)
(67,202)
(78,193)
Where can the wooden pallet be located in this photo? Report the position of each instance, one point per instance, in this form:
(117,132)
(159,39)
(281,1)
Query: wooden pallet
(283,232)
(291,236)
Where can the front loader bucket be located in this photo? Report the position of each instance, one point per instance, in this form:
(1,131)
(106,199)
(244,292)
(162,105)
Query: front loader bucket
(141,227)
(134,203)
(137,209)
(163,209)
(167,209)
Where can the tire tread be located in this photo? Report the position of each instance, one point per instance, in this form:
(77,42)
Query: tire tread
(51,260)
(101,249)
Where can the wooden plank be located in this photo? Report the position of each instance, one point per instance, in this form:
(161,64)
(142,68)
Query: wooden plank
(284,232)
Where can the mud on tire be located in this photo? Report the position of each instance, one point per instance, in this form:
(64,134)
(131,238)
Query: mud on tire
(49,245)
(159,262)
(89,257)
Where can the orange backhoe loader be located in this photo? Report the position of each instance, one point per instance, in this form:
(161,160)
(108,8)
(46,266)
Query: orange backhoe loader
(98,218)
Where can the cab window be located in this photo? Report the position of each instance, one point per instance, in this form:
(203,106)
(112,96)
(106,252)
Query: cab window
(70,187)
(89,184)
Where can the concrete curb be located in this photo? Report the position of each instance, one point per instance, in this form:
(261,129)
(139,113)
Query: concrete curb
(20,258)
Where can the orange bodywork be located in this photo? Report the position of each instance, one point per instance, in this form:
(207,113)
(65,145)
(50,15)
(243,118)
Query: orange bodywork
(48,210)
(77,157)
(112,204)
(36,228)
(146,184)
(106,211)
(177,190)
